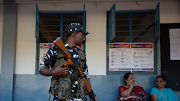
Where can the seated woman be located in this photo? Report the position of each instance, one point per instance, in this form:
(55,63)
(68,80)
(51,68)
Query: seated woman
(129,92)
(160,93)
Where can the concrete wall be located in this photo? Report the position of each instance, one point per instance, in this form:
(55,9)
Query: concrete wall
(35,87)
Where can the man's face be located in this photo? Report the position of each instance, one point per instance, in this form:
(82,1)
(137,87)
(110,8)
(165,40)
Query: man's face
(79,38)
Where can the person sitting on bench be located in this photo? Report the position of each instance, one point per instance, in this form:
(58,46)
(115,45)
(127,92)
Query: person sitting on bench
(129,92)
(160,93)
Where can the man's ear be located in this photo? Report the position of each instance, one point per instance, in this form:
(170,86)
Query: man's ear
(74,35)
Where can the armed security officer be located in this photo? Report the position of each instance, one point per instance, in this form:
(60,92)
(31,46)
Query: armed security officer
(74,37)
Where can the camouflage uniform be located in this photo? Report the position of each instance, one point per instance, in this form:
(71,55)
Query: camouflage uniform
(50,60)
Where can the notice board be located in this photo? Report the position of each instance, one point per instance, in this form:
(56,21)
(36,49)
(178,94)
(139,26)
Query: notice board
(169,68)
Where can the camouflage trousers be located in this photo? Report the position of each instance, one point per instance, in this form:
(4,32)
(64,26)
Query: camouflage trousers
(71,99)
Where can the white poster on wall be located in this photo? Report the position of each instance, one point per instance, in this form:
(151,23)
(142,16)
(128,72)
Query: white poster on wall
(119,57)
(43,50)
(142,57)
(174,36)
(131,57)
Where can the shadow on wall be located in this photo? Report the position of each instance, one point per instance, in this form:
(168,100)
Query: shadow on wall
(35,87)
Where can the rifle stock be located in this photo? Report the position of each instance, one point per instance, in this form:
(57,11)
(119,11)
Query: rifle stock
(58,42)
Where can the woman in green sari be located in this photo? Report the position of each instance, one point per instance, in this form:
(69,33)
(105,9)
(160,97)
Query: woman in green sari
(160,93)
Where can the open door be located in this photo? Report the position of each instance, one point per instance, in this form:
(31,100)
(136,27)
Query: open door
(37,23)
(156,32)
(111,23)
(157,23)
(37,38)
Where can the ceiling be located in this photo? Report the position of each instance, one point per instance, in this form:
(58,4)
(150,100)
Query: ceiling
(77,1)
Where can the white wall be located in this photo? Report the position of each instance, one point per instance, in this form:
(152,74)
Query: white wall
(96,40)
(170,12)
(1,30)
(26,43)
(95,24)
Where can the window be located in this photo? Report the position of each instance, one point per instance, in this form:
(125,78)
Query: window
(50,25)
(133,27)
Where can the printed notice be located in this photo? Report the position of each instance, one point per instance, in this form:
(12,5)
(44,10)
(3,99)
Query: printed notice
(174,36)
(131,57)
(44,47)
(119,57)
(142,57)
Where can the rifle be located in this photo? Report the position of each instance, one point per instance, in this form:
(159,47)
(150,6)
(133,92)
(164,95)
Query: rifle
(70,61)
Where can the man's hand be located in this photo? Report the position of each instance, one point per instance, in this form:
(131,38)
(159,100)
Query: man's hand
(60,71)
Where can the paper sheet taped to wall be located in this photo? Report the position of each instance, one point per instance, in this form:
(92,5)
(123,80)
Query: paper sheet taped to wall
(131,57)
(174,36)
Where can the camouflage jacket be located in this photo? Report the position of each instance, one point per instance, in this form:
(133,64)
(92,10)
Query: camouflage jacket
(50,60)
